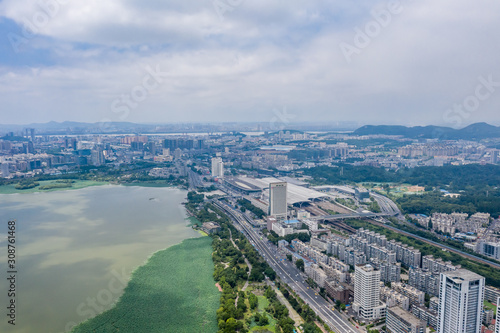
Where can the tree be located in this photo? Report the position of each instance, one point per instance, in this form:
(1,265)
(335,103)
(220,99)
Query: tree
(230,326)
(289,257)
(270,273)
(300,264)
(253,300)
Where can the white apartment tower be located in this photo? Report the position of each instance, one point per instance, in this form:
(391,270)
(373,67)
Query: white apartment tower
(461,296)
(497,323)
(4,168)
(217,167)
(277,200)
(367,293)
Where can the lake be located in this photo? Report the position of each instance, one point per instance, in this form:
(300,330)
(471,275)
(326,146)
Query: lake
(76,249)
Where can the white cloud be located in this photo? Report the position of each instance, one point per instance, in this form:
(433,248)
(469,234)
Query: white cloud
(261,56)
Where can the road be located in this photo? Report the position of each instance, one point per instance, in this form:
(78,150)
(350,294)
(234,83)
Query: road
(195,180)
(288,273)
(386,205)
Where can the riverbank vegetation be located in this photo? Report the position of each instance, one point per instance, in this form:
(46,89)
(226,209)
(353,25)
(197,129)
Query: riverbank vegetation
(159,298)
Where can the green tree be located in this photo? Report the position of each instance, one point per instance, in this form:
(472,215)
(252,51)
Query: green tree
(253,300)
(300,264)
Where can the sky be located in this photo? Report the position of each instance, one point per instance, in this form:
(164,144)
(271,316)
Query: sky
(403,62)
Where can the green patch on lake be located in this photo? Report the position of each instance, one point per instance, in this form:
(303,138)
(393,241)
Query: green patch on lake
(173,292)
(50,186)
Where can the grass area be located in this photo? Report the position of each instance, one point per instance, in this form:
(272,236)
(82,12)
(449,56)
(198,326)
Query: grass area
(154,183)
(263,304)
(490,306)
(51,185)
(193,221)
(159,297)
(203,233)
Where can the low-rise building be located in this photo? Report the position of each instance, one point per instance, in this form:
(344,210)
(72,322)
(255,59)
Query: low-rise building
(210,227)
(400,321)
(416,296)
(428,316)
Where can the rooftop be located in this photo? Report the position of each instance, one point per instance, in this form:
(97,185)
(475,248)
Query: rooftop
(406,316)
(461,275)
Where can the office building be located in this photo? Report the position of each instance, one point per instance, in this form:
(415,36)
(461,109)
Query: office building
(461,296)
(400,321)
(217,167)
(367,293)
(277,200)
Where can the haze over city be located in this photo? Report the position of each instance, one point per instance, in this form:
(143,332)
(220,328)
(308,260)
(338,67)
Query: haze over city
(405,63)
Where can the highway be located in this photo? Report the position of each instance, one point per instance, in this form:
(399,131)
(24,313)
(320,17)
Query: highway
(288,273)
(386,205)
(195,180)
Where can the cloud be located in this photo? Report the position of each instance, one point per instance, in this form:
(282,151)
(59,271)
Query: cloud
(259,56)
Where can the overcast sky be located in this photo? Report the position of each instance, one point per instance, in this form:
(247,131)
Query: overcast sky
(410,62)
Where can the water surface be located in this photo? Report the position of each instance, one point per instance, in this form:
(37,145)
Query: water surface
(76,249)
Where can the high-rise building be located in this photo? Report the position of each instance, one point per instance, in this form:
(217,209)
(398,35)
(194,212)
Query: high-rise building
(174,143)
(5,170)
(152,148)
(178,153)
(494,156)
(461,296)
(497,323)
(97,157)
(136,146)
(29,133)
(277,200)
(217,167)
(401,321)
(367,293)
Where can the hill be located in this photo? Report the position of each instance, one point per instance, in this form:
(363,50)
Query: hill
(476,131)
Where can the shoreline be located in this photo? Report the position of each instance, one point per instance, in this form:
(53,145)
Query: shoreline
(78,185)
(171,239)
(140,284)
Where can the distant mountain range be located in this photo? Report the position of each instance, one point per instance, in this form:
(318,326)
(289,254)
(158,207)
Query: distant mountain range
(476,131)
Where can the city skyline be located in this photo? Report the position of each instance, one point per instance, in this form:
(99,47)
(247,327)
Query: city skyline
(378,63)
